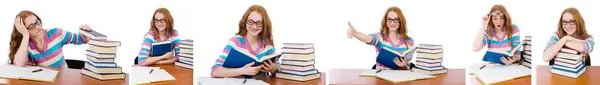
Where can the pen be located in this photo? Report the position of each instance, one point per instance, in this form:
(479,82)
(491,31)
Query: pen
(38,70)
(481,67)
(378,71)
(245,79)
(151,71)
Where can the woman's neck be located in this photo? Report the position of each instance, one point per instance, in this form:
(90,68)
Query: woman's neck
(394,35)
(161,35)
(252,39)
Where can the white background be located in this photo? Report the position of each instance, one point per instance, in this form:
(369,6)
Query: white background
(453,24)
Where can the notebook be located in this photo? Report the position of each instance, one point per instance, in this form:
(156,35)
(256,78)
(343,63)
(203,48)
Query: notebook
(143,75)
(396,76)
(161,48)
(494,57)
(500,73)
(26,73)
(386,57)
(229,81)
(93,34)
(237,59)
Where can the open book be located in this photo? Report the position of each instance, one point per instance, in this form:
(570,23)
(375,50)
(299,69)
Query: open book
(229,81)
(499,73)
(237,59)
(494,56)
(143,75)
(28,73)
(386,56)
(395,75)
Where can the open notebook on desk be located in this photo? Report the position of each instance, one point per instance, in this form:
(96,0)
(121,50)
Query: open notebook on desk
(229,81)
(395,75)
(499,73)
(143,75)
(28,73)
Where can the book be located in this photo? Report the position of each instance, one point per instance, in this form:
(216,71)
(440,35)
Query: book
(396,76)
(428,64)
(184,65)
(229,81)
(297,50)
(297,68)
(298,45)
(161,48)
(494,56)
(300,63)
(103,76)
(102,69)
(105,43)
(186,55)
(298,57)
(386,57)
(100,60)
(305,72)
(100,55)
(102,49)
(500,73)
(28,73)
(297,77)
(237,59)
(188,42)
(93,34)
(430,72)
(103,64)
(571,73)
(186,59)
(186,51)
(144,75)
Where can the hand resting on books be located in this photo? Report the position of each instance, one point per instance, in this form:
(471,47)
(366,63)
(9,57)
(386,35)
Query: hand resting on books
(85,27)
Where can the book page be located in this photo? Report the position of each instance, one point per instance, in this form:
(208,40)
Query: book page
(401,75)
(141,75)
(502,73)
(14,72)
(160,75)
(47,75)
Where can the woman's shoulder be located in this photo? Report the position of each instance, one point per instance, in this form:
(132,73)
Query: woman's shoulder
(515,28)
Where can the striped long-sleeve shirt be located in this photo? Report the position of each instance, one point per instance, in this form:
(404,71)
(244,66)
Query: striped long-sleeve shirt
(150,38)
(587,48)
(52,55)
(381,44)
(501,44)
(241,44)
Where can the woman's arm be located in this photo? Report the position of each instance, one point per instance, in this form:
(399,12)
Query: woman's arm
(359,35)
(482,36)
(21,57)
(554,47)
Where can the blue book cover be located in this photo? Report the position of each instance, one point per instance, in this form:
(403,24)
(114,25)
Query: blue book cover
(386,57)
(161,48)
(237,59)
(494,57)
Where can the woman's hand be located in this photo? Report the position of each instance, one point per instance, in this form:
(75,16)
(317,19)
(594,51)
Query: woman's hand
(485,21)
(85,27)
(400,62)
(351,31)
(167,55)
(20,26)
(269,67)
(248,69)
(508,60)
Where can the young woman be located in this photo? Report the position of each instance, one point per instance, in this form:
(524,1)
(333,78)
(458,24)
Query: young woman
(161,29)
(253,36)
(571,32)
(33,45)
(391,36)
(499,34)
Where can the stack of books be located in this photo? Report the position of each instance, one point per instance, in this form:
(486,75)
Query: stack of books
(101,55)
(568,62)
(429,59)
(526,53)
(298,62)
(186,54)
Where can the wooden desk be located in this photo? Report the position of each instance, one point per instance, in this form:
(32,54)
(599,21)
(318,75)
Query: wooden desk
(182,75)
(67,77)
(279,81)
(350,76)
(518,81)
(545,77)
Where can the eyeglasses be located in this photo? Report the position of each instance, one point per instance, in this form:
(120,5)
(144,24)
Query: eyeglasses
(395,20)
(33,25)
(160,20)
(569,22)
(257,23)
(497,14)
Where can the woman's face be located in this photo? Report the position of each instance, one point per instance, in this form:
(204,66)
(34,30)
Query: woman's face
(160,22)
(33,25)
(392,21)
(568,23)
(498,19)
(254,23)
